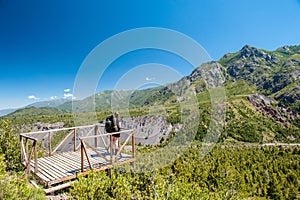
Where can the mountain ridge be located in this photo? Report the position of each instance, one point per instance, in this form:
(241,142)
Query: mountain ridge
(262,89)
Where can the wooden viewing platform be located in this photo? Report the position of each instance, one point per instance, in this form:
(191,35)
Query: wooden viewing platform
(59,155)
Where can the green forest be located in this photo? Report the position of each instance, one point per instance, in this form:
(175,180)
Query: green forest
(229,171)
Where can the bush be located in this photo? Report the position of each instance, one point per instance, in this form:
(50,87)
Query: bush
(14,187)
(10,146)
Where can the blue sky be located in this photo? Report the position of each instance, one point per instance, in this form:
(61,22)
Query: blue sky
(43,43)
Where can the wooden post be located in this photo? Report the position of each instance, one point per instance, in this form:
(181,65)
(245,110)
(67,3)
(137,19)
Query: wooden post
(111,149)
(26,143)
(96,133)
(35,157)
(82,156)
(133,153)
(27,170)
(75,138)
(21,146)
(49,139)
(133,145)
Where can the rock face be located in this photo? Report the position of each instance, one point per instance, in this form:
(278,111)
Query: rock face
(251,64)
(149,129)
(290,96)
(207,76)
(47,126)
(276,72)
(252,52)
(279,113)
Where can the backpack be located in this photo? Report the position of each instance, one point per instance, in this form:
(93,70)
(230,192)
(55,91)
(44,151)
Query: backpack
(110,124)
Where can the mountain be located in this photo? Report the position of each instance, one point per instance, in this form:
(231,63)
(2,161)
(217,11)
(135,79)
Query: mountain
(52,103)
(275,73)
(6,111)
(32,111)
(262,89)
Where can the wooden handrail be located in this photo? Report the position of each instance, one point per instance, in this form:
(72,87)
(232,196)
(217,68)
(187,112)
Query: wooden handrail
(107,134)
(48,134)
(61,129)
(30,159)
(28,137)
(112,156)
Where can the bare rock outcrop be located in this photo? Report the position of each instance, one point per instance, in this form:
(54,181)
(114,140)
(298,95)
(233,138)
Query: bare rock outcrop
(265,105)
(149,129)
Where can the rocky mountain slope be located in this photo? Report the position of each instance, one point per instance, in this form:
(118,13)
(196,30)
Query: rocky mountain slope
(262,89)
(275,73)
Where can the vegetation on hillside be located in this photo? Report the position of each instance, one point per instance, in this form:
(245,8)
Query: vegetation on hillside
(13,183)
(227,172)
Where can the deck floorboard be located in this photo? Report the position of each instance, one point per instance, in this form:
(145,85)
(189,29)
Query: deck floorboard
(64,166)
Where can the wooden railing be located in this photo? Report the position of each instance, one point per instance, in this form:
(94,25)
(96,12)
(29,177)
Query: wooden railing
(29,142)
(109,147)
(26,154)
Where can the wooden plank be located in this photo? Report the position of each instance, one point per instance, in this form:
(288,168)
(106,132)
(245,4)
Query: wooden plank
(76,156)
(42,179)
(89,171)
(71,163)
(75,138)
(28,163)
(23,152)
(107,134)
(56,130)
(122,147)
(107,166)
(96,133)
(56,160)
(27,151)
(63,163)
(87,156)
(34,184)
(102,150)
(49,168)
(62,180)
(35,156)
(111,149)
(28,137)
(43,171)
(62,142)
(59,187)
(82,157)
(134,144)
(63,166)
(56,167)
(94,150)
(104,142)
(75,161)
(49,141)
(68,178)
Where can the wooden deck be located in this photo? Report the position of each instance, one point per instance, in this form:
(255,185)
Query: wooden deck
(77,153)
(66,166)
